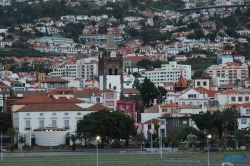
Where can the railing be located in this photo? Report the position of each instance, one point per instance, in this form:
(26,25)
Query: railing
(67,127)
(27,128)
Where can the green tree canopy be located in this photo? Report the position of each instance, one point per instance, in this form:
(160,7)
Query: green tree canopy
(108,125)
(5,121)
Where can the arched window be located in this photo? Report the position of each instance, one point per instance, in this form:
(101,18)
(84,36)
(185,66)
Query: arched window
(110,71)
(116,71)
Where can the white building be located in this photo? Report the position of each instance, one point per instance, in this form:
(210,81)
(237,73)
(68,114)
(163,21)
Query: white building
(84,68)
(168,73)
(50,123)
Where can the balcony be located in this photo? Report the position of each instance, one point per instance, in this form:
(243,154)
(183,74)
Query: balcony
(67,127)
(27,128)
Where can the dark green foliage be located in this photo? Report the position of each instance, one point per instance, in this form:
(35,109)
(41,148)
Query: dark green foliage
(148,64)
(5,121)
(108,125)
(149,91)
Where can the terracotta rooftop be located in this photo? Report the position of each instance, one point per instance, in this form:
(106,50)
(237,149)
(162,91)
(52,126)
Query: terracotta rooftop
(153,109)
(55,80)
(50,107)
(210,93)
(130,90)
(152,122)
(97,107)
(181,82)
(228,86)
(189,106)
(39,99)
(135,58)
(171,104)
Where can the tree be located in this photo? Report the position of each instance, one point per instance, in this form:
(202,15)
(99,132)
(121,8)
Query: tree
(5,121)
(208,122)
(108,125)
(157,64)
(145,63)
(21,141)
(148,91)
(11,132)
(73,138)
(133,32)
(149,3)
(227,118)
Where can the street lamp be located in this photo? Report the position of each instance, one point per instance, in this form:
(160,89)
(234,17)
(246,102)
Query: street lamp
(97,138)
(208,137)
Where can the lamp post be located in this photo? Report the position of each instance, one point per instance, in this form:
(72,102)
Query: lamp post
(208,137)
(1,145)
(151,137)
(97,138)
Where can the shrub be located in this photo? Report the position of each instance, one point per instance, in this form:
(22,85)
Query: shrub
(116,144)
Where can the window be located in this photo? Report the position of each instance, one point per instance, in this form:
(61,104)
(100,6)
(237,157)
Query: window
(149,126)
(98,100)
(41,123)
(184,122)
(191,96)
(54,123)
(66,113)
(27,125)
(41,114)
(239,98)
(109,103)
(114,87)
(192,122)
(111,96)
(53,114)
(27,114)
(205,103)
(204,83)
(247,111)
(162,122)
(107,96)
(66,124)
(121,107)
(127,106)
(232,98)
(172,110)
(243,121)
(246,99)
(198,83)
(183,103)
(78,113)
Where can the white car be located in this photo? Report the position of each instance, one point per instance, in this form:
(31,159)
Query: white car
(2,150)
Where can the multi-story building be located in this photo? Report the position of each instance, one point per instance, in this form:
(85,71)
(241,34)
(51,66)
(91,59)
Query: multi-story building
(168,73)
(118,38)
(84,68)
(231,70)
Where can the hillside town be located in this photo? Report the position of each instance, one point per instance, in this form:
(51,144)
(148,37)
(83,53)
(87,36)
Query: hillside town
(196,61)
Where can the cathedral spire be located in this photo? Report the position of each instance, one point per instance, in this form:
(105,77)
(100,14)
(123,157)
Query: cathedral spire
(110,44)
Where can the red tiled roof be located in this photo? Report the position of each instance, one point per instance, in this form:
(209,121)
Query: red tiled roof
(171,104)
(228,86)
(97,107)
(44,99)
(153,121)
(135,58)
(210,93)
(55,80)
(181,82)
(50,107)
(2,85)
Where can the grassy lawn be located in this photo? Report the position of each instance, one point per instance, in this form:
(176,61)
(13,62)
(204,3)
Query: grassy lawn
(125,159)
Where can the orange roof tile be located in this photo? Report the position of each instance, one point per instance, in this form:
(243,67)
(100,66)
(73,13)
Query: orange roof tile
(181,82)
(50,107)
(135,58)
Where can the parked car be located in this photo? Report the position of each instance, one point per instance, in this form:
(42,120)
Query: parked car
(1,149)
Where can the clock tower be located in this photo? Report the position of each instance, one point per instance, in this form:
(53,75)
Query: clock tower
(110,67)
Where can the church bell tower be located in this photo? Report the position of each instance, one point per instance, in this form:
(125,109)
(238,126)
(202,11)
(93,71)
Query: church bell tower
(110,67)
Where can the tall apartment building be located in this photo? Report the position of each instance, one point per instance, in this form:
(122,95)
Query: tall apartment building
(232,72)
(168,73)
(84,68)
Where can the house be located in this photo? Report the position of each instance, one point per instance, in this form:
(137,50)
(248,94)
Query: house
(208,24)
(50,123)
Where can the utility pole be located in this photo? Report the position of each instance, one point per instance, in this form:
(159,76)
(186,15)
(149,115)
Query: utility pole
(235,123)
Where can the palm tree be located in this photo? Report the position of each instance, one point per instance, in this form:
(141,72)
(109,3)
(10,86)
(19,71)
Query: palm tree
(11,132)
(73,138)
(21,141)
(226,116)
